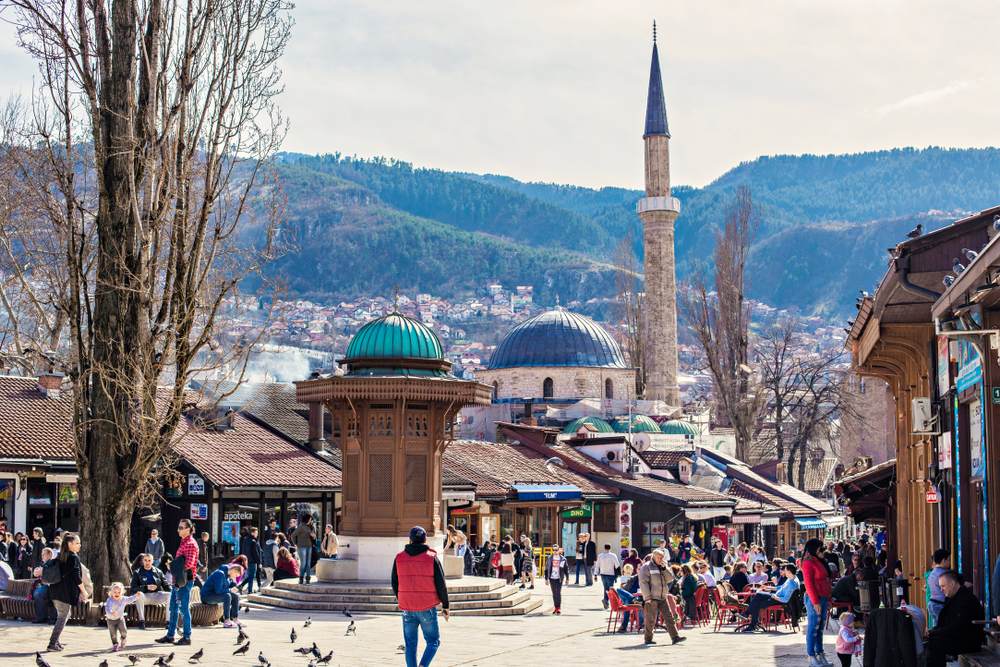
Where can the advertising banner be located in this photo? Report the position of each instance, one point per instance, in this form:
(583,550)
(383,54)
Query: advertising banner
(625,526)
(976,440)
(943,359)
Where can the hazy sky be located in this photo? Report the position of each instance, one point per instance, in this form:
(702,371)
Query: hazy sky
(555,91)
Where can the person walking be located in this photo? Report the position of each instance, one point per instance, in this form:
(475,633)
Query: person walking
(654,584)
(581,556)
(589,558)
(555,568)
(203,551)
(269,560)
(608,567)
(717,559)
(155,547)
(148,580)
(528,563)
(816,577)
(304,538)
(330,544)
(114,614)
(70,591)
(255,557)
(419,586)
(183,568)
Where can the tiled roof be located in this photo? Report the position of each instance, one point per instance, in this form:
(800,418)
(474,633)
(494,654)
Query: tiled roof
(817,473)
(33,426)
(747,506)
(495,467)
(666,459)
(736,467)
(250,455)
(873,472)
(589,463)
(753,493)
(681,493)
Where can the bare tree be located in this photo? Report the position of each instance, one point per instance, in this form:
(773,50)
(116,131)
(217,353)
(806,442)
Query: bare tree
(628,307)
(154,127)
(720,319)
(774,351)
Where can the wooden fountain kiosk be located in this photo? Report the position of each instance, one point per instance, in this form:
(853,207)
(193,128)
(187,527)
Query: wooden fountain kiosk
(392,413)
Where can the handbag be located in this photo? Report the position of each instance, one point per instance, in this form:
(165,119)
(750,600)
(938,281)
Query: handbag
(179,571)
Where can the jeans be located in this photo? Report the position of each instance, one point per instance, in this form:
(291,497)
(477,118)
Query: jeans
(589,571)
(63,611)
(556,586)
(758,603)
(41,600)
(628,598)
(427,622)
(230,603)
(180,603)
(305,563)
(814,629)
(251,577)
(579,564)
(607,580)
(935,609)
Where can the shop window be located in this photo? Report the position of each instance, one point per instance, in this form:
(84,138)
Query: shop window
(40,495)
(297,508)
(609,388)
(605,519)
(547,388)
(652,533)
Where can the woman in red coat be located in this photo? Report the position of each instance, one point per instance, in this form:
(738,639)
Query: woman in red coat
(816,577)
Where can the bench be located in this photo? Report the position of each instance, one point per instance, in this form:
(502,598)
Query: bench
(16,603)
(202,615)
(984,658)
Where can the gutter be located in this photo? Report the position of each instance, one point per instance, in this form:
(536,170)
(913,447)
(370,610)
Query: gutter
(903,274)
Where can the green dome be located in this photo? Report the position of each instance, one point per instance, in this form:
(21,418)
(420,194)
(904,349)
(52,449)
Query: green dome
(395,336)
(640,423)
(598,423)
(679,427)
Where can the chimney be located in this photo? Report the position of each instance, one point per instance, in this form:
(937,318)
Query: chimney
(779,471)
(50,384)
(316,439)
(684,470)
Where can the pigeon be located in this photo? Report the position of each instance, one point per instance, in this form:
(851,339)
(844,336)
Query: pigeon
(948,280)
(315,651)
(104,663)
(347,614)
(159,662)
(133,658)
(241,637)
(246,610)
(261,659)
(197,656)
(312,664)
(40,661)
(956,266)
(971,254)
(916,233)
(243,649)
(325,660)
(169,658)
(996,223)
(309,621)
(401,648)
(304,650)
(351,629)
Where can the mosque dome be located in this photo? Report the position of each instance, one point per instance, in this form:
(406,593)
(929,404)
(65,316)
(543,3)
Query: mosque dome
(558,338)
(640,423)
(598,423)
(679,427)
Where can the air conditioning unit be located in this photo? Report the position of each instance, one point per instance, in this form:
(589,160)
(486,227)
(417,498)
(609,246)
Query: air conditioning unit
(612,455)
(925,421)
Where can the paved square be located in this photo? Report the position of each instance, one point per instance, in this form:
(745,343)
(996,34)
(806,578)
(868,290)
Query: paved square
(575,637)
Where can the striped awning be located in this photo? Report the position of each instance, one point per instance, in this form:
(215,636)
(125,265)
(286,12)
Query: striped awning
(746,518)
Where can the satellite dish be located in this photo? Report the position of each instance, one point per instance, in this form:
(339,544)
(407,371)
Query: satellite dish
(641,441)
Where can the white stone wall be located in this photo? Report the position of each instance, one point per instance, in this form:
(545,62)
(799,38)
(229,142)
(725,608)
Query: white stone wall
(568,381)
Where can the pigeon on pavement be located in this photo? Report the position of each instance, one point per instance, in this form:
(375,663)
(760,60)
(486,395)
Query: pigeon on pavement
(294,636)
(243,649)
(347,613)
(169,658)
(309,621)
(325,660)
(304,650)
(197,656)
(240,638)
(133,658)
(40,661)
(351,629)
(315,651)
(104,663)
(261,659)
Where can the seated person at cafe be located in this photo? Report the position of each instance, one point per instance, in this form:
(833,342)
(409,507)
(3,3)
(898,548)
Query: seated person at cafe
(759,576)
(955,632)
(846,590)
(706,575)
(739,579)
(628,593)
(771,597)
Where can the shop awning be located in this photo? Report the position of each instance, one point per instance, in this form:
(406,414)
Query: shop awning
(702,513)
(835,521)
(770,521)
(547,492)
(746,518)
(811,524)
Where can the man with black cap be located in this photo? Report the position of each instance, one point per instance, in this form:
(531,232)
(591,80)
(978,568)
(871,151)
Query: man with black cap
(419,586)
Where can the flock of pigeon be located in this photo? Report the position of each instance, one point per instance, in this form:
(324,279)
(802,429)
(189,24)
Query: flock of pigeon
(317,658)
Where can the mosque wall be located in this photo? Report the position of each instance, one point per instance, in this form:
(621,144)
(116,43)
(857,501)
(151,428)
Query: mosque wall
(567,381)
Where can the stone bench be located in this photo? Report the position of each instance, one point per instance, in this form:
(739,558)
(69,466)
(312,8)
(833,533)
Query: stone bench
(16,603)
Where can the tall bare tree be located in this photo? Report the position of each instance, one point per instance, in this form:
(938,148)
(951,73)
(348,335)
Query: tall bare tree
(628,307)
(720,318)
(774,354)
(154,127)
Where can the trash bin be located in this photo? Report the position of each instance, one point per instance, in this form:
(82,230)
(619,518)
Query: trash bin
(868,591)
(898,590)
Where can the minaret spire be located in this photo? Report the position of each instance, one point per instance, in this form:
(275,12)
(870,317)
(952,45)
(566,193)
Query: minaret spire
(656,108)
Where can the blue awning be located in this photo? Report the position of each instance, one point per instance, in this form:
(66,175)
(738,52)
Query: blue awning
(548,492)
(811,524)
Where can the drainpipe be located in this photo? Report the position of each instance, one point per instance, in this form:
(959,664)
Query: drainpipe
(903,271)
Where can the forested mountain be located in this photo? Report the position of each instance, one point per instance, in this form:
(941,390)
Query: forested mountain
(829,220)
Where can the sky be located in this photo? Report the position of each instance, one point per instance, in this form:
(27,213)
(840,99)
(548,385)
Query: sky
(555,90)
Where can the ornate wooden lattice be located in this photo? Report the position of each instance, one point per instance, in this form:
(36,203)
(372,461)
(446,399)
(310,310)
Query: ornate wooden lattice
(380,425)
(416,425)
(416,479)
(380,478)
(352,463)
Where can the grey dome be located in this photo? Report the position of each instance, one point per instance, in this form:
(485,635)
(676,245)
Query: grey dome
(558,338)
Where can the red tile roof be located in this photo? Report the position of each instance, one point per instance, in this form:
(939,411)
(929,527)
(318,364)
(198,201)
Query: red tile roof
(666,459)
(33,426)
(250,455)
(682,493)
(742,490)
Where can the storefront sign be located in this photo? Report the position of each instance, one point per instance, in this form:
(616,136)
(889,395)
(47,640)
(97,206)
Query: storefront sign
(625,526)
(40,495)
(943,364)
(237,516)
(970,368)
(944,451)
(578,513)
(932,495)
(996,395)
(68,494)
(976,440)
(231,533)
(196,485)
(199,511)
(466,510)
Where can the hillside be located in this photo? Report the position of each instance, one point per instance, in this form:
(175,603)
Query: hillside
(369,223)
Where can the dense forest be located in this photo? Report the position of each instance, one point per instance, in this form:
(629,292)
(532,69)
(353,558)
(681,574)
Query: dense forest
(370,222)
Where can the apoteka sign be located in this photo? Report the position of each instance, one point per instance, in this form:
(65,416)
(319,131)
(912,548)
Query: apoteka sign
(237,516)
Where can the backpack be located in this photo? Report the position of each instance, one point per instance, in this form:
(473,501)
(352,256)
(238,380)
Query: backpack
(51,574)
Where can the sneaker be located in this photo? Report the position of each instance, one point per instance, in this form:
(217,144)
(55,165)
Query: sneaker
(54,647)
(239,623)
(142,625)
(825,660)
(114,649)
(184,641)
(622,631)
(122,645)
(814,661)
(744,617)
(678,639)
(228,624)
(165,640)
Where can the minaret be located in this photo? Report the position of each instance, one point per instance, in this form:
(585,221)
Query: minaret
(658,212)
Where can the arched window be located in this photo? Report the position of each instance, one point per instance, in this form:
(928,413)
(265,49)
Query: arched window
(496,390)
(609,388)
(547,391)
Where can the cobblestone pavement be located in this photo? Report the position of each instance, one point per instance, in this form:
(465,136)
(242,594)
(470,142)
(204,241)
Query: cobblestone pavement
(577,636)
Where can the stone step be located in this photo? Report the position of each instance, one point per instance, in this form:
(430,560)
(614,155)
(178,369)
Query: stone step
(458,586)
(518,599)
(306,594)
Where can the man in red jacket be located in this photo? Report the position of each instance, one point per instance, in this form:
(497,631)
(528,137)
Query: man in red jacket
(419,586)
